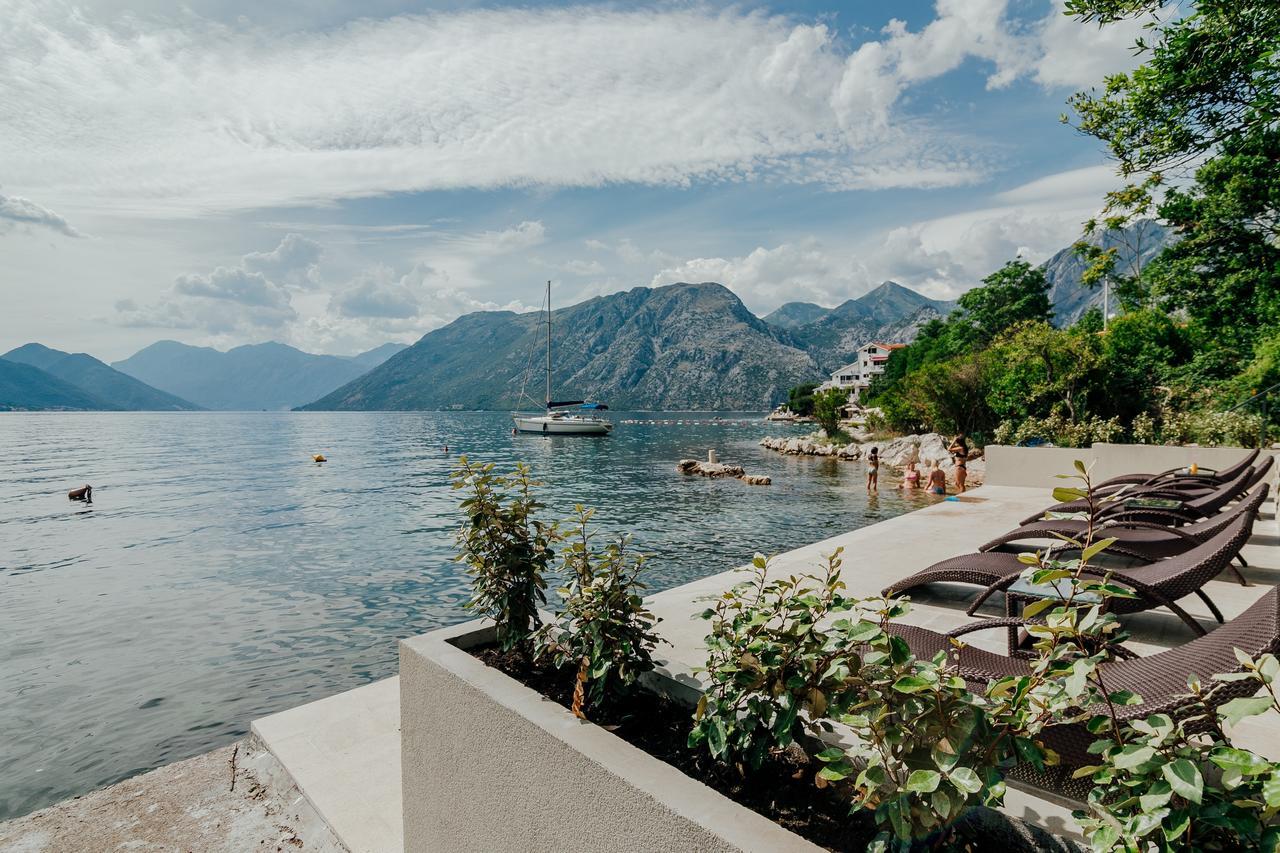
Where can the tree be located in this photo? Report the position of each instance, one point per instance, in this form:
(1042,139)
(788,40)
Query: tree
(1015,293)
(1037,371)
(1139,352)
(800,398)
(827,406)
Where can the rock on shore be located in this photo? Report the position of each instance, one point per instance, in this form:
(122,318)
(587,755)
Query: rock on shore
(897,452)
(721,469)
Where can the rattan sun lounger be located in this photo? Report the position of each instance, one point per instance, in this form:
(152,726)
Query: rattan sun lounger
(1143,540)
(1159,679)
(1203,475)
(1159,584)
(1192,506)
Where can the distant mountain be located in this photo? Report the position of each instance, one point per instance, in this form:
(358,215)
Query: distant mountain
(372,358)
(673,347)
(890,313)
(793,315)
(111,387)
(269,376)
(1141,241)
(27,388)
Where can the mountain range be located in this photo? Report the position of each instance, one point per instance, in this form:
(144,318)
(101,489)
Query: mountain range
(682,346)
(100,386)
(270,376)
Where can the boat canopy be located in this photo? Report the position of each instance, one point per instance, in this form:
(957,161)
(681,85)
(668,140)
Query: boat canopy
(582,404)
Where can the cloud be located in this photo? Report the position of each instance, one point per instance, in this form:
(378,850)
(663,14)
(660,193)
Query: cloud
(18,211)
(377,293)
(295,261)
(139,117)
(1077,55)
(941,257)
(251,296)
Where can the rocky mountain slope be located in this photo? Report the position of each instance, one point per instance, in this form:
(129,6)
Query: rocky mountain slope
(673,347)
(269,376)
(793,315)
(113,389)
(1135,245)
(890,313)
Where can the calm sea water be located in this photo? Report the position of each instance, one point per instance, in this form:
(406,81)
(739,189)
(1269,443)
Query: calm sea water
(220,575)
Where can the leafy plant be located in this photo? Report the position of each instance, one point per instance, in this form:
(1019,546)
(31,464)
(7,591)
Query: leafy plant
(768,659)
(506,549)
(789,656)
(827,409)
(605,629)
(924,750)
(1179,784)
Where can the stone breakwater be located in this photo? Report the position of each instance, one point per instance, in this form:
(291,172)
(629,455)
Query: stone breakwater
(897,452)
(721,469)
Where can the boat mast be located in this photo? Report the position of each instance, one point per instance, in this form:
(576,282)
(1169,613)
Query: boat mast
(548,344)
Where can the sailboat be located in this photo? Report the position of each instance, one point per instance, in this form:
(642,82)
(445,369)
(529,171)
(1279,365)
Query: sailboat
(559,419)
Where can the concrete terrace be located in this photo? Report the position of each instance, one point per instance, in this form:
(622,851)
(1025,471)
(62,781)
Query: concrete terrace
(343,752)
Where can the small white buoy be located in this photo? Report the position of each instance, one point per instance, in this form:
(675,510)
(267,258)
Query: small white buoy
(711,457)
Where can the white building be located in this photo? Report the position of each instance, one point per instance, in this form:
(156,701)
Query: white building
(856,377)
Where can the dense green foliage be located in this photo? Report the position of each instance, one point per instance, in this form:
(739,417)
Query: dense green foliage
(506,549)
(1199,331)
(828,408)
(800,398)
(604,630)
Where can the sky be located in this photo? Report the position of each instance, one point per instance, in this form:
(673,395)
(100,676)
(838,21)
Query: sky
(334,175)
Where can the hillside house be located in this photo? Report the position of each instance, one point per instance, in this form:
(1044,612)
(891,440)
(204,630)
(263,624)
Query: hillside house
(856,376)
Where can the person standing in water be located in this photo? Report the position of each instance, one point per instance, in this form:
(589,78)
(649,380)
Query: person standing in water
(873,470)
(910,476)
(959,451)
(937,479)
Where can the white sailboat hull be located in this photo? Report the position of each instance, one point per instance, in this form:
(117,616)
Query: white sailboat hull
(563,425)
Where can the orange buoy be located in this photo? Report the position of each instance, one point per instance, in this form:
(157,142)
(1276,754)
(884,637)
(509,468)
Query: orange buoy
(319,457)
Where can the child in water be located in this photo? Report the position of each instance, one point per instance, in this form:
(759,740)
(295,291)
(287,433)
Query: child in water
(873,470)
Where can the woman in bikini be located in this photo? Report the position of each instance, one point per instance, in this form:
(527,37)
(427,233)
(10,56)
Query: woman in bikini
(910,476)
(873,470)
(959,451)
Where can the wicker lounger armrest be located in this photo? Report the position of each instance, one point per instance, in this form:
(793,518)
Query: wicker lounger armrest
(1018,622)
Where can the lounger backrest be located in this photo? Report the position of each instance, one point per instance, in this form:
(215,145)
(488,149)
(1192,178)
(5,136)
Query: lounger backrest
(1215,524)
(1161,678)
(1222,495)
(1261,471)
(1189,571)
(1232,471)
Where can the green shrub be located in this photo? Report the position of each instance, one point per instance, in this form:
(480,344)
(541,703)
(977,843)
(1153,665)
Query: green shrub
(506,549)
(768,659)
(605,631)
(1060,430)
(788,656)
(828,408)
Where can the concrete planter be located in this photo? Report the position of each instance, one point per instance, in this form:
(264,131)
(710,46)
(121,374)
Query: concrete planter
(490,765)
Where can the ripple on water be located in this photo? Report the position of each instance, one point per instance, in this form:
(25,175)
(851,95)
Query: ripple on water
(220,575)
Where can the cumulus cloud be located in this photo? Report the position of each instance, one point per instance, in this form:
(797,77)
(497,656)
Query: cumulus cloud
(941,257)
(18,211)
(253,295)
(295,261)
(129,115)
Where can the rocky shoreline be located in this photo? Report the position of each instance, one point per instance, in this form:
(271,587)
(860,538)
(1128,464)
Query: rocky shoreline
(894,453)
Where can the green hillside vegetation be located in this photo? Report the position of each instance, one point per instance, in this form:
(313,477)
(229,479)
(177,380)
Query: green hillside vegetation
(27,388)
(1194,352)
(117,390)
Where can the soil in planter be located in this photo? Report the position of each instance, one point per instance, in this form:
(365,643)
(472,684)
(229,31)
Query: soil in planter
(782,789)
